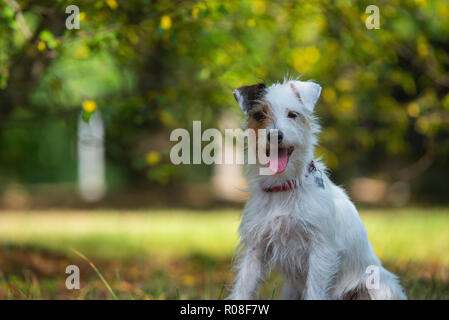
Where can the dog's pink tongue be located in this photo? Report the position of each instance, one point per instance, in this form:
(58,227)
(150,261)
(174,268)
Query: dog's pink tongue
(278,165)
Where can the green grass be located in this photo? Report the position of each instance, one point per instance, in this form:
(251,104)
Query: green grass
(187,254)
(113,234)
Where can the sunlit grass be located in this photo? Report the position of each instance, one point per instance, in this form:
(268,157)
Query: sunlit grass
(178,254)
(112,234)
(415,235)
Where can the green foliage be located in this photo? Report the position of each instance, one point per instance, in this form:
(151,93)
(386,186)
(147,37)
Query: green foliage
(155,66)
(85,115)
(48,38)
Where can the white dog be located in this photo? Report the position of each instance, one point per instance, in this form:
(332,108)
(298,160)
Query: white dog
(297,220)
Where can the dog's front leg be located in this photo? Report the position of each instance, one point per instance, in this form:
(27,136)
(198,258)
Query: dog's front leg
(249,273)
(323,264)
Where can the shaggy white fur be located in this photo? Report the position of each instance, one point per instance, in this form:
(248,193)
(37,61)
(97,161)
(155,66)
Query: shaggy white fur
(313,235)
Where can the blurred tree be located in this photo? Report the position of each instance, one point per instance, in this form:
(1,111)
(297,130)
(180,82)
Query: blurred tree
(152,66)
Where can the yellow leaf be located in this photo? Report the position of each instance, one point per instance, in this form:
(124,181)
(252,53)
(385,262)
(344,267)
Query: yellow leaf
(82,52)
(344,84)
(421,3)
(89,105)
(166,22)
(133,37)
(443,10)
(329,158)
(188,280)
(304,58)
(312,54)
(423,49)
(298,60)
(166,118)
(445,101)
(413,110)
(251,23)
(41,46)
(153,158)
(422,125)
(258,7)
(346,104)
(112,4)
(329,95)
(195,12)
(82,16)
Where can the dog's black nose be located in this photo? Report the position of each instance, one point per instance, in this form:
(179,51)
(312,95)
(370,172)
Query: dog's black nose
(279,134)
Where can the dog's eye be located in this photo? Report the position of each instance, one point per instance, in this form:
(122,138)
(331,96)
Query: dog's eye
(258,116)
(292,115)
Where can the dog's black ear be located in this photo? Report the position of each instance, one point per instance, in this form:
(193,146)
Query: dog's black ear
(247,95)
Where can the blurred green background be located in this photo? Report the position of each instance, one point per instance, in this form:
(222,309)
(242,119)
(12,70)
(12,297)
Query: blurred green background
(143,68)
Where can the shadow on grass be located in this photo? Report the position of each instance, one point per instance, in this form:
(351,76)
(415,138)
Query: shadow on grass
(28,272)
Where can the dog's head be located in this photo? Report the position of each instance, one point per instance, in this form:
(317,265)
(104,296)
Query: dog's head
(285,110)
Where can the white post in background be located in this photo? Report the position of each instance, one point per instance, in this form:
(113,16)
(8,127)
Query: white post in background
(91,182)
(228,180)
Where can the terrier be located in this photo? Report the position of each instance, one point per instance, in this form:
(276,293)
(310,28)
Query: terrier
(296,219)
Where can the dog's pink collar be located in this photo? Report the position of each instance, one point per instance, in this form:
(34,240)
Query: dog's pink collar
(289,185)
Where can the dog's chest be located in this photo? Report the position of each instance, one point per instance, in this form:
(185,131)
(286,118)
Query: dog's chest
(277,224)
(287,245)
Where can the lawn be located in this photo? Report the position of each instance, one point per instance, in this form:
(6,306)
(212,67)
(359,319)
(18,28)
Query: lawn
(179,254)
